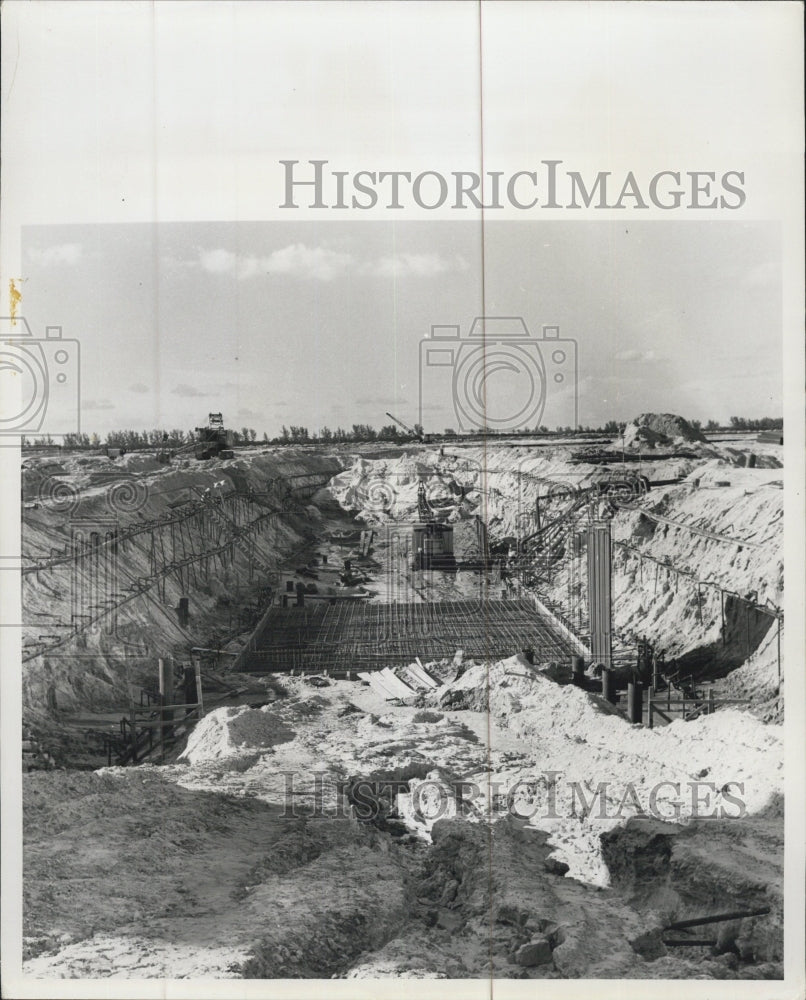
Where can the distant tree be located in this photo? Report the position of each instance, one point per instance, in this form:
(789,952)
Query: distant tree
(760,424)
(363,432)
(712,425)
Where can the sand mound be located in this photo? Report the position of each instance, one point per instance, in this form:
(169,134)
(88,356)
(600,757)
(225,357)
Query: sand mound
(228,731)
(652,430)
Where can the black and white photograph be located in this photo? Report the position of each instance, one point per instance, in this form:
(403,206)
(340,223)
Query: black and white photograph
(396,499)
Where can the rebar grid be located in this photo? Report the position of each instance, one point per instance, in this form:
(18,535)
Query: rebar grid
(348,634)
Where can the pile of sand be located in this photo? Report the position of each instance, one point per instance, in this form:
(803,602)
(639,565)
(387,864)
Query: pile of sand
(236,730)
(652,430)
(384,489)
(584,741)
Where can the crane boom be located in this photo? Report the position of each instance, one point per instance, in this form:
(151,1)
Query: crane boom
(417,434)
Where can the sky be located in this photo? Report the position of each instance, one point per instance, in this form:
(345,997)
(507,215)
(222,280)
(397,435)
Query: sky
(316,324)
(142,188)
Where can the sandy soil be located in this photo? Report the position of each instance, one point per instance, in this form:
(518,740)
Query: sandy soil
(259,854)
(194,868)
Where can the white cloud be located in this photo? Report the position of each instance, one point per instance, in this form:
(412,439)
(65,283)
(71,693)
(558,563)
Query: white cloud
(97,404)
(321,263)
(188,390)
(217,261)
(61,253)
(324,263)
(313,262)
(139,387)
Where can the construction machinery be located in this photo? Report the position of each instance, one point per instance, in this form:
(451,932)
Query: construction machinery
(214,440)
(418,435)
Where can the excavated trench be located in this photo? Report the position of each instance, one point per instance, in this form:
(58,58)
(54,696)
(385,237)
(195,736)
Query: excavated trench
(744,629)
(701,870)
(163,546)
(377,895)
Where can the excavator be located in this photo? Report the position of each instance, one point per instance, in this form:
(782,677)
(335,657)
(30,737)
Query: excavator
(214,441)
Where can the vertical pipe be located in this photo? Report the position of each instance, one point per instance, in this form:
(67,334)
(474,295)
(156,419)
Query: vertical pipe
(199,688)
(635,702)
(649,709)
(599,591)
(607,686)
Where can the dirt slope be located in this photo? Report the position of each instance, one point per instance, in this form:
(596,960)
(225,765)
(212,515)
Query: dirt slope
(194,866)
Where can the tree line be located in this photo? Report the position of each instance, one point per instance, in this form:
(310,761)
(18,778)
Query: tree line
(130,440)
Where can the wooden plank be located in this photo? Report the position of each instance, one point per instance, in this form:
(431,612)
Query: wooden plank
(401,689)
(151,711)
(156,723)
(718,918)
